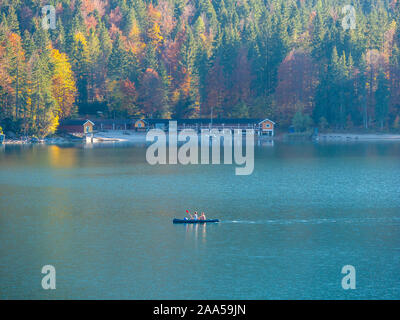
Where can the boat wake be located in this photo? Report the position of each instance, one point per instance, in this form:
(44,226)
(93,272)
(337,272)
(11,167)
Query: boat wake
(390,220)
(282,221)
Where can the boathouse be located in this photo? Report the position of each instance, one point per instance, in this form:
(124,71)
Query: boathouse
(141,125)
(76,126)
(114,124)
(267,127)
(88,126)
(261,126)
(82,125)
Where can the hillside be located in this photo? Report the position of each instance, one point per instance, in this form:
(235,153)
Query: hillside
(290,60)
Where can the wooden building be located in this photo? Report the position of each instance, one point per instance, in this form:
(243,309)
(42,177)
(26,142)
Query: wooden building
(82,125)
(261,126)
(267,127)
(75,126)
(88,127)
(113,124)
(140,125)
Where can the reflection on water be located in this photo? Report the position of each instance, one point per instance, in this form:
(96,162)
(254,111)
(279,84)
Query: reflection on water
(103,217)
(196,231)
(62,158)
(265,143)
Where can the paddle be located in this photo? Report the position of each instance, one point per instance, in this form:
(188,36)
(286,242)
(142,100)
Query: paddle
(187,211)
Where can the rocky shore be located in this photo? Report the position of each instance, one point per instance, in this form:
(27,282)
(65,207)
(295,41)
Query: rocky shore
(98,137)
(48,140)
(358,137)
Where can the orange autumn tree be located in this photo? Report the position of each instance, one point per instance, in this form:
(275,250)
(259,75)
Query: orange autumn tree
(64,89)
(129,98)
(122,97)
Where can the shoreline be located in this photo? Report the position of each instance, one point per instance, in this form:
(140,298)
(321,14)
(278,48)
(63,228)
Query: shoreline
(358,137)
(126,136)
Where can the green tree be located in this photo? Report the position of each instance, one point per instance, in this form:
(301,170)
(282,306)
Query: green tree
(382,96)
(301,122)
(80,64)
(118,62)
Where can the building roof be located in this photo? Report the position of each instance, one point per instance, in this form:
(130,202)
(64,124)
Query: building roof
(199,121)
(72,122)
(96,121)
(89,122)
(205,121)
(113,121)
(136,120)
(266,120)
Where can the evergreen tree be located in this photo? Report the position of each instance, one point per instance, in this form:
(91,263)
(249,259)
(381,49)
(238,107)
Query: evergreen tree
(117,63)
(382,96)
(80,63)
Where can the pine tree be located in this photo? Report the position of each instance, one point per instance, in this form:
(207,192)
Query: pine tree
(16,66)
(94,64)
(382,96)
(44,108)
(117,63)
(12,20)
(80,64)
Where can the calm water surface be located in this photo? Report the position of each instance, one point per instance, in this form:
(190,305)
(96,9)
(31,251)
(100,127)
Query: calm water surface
(102,216)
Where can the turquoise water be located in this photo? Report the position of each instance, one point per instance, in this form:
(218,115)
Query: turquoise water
(102,216)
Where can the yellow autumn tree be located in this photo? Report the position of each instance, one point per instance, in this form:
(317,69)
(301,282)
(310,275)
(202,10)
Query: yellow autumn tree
(134,42)
(154,31)
(64,88)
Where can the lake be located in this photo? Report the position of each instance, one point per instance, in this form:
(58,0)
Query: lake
(102,216)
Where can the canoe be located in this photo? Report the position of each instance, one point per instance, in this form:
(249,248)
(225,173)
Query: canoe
(194,221)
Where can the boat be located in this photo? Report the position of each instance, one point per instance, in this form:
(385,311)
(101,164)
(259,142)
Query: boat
(194,221)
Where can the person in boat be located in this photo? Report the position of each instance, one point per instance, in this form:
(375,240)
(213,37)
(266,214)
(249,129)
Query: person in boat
(196,216)
(190,215)
(203,216)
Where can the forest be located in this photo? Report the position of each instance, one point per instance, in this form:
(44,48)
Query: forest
(293,61)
